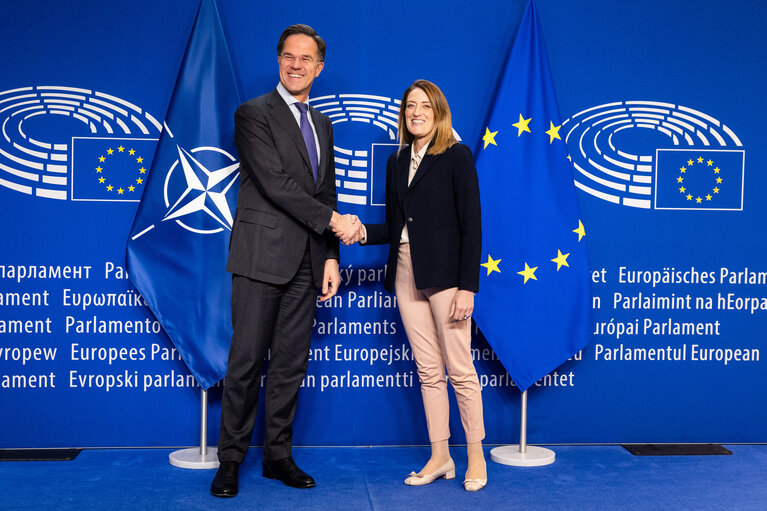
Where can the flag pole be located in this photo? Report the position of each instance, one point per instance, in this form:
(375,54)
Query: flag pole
(522,455)
(198,457)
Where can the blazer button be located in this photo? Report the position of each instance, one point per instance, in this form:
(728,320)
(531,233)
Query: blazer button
(410,219)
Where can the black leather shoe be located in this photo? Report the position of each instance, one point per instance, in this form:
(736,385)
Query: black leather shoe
(225,482)
(287,471)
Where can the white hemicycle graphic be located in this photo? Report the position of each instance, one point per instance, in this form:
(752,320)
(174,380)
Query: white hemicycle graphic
(32,163)
(354,165)
(605,170)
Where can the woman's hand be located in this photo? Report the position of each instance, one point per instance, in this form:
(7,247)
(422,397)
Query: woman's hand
(462,305)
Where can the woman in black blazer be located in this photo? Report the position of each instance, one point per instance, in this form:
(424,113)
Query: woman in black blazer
(434,232)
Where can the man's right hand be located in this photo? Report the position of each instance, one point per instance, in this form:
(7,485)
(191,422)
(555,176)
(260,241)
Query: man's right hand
(348,228)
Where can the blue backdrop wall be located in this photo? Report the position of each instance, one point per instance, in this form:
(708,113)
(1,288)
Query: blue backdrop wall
(644,89)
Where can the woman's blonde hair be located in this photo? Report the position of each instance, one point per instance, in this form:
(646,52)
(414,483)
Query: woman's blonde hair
(443,128)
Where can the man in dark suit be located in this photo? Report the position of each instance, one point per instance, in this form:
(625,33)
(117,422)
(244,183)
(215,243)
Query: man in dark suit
(281,251)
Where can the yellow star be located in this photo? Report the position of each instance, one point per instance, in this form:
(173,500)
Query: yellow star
(679,179)
(109,188)
(719,180)
(120,191)
(491,265)
(121,149)
(698,200)
(708,197)
(489,137)
(716,170)
(689,162)
(102,159)
(110,151)
(700,159)
(561,260)
(580,231)
(553,132)
(101,180)
(716,190)
(689,197)
(131,188)
(142,170)
(99,169)
(683,169)
(140,159)
(522,125)
(528,273)
(139,180)
(682,189)
(132,152)
(710,163)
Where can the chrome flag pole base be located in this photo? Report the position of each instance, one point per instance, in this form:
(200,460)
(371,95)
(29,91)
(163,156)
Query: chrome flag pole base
(202,456)
(192,458)
(532,457)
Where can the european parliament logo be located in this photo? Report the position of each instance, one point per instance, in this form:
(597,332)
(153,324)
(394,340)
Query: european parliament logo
(365,134)
(65,143)
(655,155)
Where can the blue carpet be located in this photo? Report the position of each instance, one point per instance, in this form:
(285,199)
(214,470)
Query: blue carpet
(582,478)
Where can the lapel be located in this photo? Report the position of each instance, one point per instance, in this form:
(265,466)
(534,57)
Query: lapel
(284,117)
(426,163)
(322,136)
(401,169)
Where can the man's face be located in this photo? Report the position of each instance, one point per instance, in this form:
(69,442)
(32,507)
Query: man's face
(299,65)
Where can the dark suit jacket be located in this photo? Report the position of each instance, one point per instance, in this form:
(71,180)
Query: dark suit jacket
(442,211)
(279,208)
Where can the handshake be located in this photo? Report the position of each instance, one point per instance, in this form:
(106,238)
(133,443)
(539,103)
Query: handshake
(347,228)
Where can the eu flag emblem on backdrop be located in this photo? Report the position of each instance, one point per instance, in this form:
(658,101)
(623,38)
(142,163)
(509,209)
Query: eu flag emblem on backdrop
(534,301)
(179,242)
(110,169)
(710,179)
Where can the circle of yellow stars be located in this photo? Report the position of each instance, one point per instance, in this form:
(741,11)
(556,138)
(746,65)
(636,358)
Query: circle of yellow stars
(141,171)
(523,126)
(683,174)
(529,272)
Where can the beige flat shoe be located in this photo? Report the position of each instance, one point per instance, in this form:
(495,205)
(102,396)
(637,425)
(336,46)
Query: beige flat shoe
(474,484)
(447,471)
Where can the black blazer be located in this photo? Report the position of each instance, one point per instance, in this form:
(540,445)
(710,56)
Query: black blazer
(279,208)
(442,211)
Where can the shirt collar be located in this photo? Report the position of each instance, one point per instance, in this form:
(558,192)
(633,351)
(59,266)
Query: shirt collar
(420,154)
(287,96)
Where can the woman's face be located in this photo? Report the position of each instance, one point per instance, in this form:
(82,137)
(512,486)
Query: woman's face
(419,116)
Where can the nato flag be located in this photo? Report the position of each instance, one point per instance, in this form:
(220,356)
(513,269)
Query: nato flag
(534,301)
(178,245)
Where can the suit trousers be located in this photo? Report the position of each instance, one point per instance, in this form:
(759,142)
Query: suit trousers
(274,319)
(439,343)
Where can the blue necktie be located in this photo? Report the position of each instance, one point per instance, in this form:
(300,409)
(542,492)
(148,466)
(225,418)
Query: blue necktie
(306,131)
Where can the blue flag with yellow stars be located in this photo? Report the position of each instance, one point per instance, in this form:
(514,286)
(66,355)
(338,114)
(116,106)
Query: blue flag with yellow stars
(534,301)
(179,242)
(699,179)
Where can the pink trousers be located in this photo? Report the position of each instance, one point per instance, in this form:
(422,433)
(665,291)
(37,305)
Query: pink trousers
(439,343)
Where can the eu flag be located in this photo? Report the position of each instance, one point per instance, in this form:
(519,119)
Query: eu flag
(710,179)
(110,169)
(178,245)
(534,301)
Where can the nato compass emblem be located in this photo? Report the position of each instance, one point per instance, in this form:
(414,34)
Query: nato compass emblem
(196,189)
(653,155)
(71,143)
(364,134)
